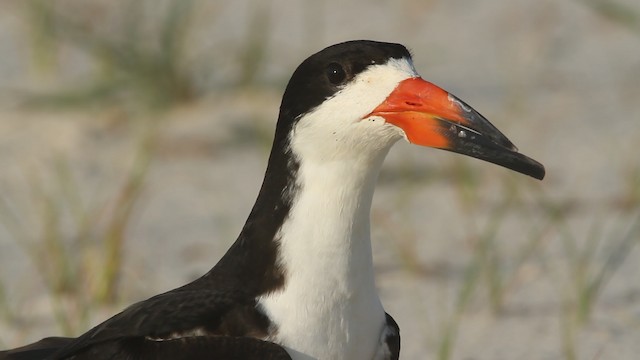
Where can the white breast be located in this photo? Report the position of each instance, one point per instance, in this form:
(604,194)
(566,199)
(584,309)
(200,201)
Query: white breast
(329,307)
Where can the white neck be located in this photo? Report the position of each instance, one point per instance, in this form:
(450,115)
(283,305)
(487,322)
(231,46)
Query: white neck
(329,307)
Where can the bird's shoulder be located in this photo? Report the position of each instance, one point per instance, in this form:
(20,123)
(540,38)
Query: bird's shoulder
(389,348)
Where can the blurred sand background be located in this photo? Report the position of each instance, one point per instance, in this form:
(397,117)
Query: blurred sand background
(134,136)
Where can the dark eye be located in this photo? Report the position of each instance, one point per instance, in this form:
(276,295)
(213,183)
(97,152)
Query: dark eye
(335,73)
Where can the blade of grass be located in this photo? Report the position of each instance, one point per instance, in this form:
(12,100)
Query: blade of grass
(595,285)
(114,238)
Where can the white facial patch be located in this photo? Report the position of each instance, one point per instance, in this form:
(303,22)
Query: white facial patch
(338,126)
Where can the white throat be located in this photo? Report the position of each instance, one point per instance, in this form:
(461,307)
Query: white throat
(329,307)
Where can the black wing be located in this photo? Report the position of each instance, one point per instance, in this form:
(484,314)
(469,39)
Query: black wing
(187,322)
(393,338)
(39,350)
(139,348)
(190,348)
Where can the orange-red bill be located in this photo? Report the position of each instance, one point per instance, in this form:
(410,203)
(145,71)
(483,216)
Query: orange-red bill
(430,116)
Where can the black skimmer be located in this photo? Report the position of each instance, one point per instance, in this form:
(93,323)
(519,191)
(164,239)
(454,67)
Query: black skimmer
(298,282)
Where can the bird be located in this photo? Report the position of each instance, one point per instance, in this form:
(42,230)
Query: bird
(298,282)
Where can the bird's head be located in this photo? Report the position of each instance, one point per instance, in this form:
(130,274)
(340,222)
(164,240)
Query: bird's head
(359,97)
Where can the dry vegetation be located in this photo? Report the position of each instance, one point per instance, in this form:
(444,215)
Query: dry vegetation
(135,134)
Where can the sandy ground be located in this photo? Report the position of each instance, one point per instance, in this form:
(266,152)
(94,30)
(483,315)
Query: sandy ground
(560,79)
